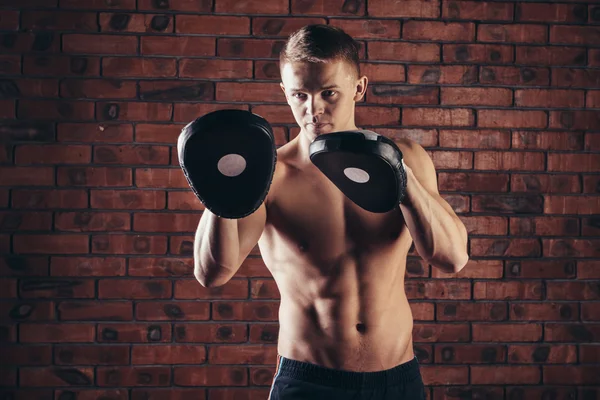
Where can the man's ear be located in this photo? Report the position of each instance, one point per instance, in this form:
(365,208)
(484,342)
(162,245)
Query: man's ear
(361,88)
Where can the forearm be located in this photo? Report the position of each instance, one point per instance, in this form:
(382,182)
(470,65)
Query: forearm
(437,236)
(216,247)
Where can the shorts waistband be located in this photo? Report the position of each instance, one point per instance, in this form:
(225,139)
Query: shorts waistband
(403,373)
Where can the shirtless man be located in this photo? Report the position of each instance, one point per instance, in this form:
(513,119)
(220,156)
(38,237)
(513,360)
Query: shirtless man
(345,322)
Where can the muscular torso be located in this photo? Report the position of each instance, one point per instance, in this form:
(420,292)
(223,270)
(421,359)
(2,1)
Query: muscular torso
(340,272)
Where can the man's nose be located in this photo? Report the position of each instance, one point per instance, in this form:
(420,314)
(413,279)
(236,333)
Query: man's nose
(314,106)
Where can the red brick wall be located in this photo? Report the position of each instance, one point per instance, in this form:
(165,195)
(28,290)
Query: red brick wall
(98,300)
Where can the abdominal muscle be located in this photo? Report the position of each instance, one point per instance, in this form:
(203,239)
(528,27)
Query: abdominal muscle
(345,321)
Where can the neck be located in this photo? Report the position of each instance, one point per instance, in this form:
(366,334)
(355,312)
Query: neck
(305,138)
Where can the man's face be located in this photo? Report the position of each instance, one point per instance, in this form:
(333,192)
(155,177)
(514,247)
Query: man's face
(322,95)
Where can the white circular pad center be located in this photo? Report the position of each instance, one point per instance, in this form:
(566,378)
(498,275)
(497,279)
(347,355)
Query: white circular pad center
(357,175)
(231,165)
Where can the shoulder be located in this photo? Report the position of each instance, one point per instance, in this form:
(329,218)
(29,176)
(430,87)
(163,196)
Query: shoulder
(420,162)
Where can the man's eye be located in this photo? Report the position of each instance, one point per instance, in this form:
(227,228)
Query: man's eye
(328,93)
(299,95)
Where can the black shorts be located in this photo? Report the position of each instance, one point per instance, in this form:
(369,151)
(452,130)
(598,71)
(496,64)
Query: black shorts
(296,380)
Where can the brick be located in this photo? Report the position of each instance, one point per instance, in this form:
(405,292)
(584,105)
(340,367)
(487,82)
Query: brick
(57,288)
(213,333)
(592,99)
(378,72)
(591,184)
(50,244)
(188,112)
(176,90)
(212,25)
(572,290)
(594,57)
(505,247)
(509,161)
(14,221)
(571,205)
(369,115)
(98,89)
(55,110)
(91,222)
(24,42)
(544,312)
(173,310)
(128,244)
(574,77)
(168,354)
(573,162)
(575,120)
(514,76)
(535,140)
(56,333)
(477,10)
(571,247)
(95,311)
(210,376)
(589,312)
(7,109)
(243,354)
(437,290)
(425,137)
(269,333)
(573,332)
(437,117)
(128,199)
(94,176)
(444,74)
(26,355)
(32,87)
(165,267)
(87,266)
(478,53)
(45,199)
(10,20)
(53,376)
(169,222)
(438,31)
(401,51)
(486,225)
(402,94)
(369,29)
(95,355)
(252,7)
(452,159)
(471,354)
(52,154)
(10,64)
(133,376)
(217,69)
(151,23)
(570,375)
(507,290)
(333,8)
(549,98)
(189,46)
(515,33)
(264,289)
(431,333)
(129,67)
(24,266)
(506,332)
(134,111)
(501,375)
(444,375)
(409,8)
(473,182)
(173,394)
(511,119)
(587,35)
(94,132)
(476,96)
(544,226)
(555,354)
(267,26)
(176,5)
(249,48)
(134,289)
(59,21)
(98,4)
(184,201)
(249,92)
(548,184)
(132,154)
(8,289)
(157,133)
(133,333)
(479,311)
(99,44)
(479,139)
(550,56)
(160,178)
(547,12)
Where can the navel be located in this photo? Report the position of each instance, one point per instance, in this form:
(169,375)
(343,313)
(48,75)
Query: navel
(361,328)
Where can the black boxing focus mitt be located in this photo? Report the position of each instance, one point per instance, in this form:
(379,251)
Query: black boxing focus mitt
(365,166)
(228,158)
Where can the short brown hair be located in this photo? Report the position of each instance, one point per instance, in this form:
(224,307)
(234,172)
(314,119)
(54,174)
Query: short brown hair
(320,43)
